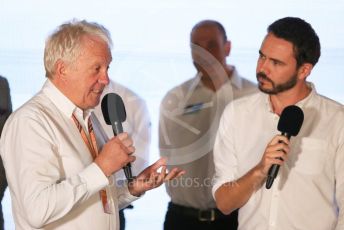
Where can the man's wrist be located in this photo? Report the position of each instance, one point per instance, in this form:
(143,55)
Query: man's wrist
(258,177)
(100,165)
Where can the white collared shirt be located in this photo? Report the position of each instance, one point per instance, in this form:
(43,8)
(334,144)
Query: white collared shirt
(52,180)
(189,118)
(309,188)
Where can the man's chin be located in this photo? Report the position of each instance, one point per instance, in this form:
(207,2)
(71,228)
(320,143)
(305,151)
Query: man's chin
(265,90)
(95,101)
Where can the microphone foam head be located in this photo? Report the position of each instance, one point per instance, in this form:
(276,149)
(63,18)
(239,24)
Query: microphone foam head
(291,120)
(113,108)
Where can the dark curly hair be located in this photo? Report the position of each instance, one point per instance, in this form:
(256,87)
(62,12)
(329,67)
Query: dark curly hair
(303,37)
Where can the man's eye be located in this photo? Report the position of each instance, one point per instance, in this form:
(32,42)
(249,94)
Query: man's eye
(275,62)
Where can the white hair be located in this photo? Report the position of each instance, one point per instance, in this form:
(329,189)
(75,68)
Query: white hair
(64,42)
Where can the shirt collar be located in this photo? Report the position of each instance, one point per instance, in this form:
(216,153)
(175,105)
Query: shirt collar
(301,103)
(63,103)
(304,101)
(235,80)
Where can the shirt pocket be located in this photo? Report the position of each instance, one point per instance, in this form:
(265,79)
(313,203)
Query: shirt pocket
(311,156)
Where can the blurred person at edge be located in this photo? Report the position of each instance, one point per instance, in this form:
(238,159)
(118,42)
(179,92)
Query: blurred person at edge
(199,102)
(50,145)
(308,192)
(5,111)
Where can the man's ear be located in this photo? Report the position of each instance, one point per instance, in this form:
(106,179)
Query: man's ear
(60,70)
(304,71)
(228,47)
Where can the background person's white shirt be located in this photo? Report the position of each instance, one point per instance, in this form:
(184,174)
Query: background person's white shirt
(189,119)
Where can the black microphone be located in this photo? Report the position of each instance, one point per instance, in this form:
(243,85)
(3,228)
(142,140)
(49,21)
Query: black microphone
(289,125)
(114,114)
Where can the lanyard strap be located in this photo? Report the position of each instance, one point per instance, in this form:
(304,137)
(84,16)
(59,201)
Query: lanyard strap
(90,142)
(92,146)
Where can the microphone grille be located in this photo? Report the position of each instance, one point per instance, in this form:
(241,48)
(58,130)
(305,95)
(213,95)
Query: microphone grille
(291,120)
(113,108)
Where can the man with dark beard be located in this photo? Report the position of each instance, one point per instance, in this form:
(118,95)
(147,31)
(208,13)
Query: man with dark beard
(308,192)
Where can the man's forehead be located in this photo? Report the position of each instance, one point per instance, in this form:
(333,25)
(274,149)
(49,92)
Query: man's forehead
(206,34)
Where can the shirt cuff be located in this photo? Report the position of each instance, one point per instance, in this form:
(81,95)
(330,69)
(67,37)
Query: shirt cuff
(94,178)
(124,196)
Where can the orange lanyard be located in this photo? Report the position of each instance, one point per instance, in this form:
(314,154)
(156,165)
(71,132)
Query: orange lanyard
(91,145)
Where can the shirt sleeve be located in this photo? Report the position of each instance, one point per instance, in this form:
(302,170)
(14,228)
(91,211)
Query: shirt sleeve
(35,173)
(123,195)
(225,159)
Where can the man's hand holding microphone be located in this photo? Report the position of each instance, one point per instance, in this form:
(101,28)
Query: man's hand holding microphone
(116,153)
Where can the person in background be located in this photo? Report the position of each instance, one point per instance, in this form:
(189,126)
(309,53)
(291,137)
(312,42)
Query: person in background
(189,116)
(5,111)
(59,163)
(308,192)
(137,125)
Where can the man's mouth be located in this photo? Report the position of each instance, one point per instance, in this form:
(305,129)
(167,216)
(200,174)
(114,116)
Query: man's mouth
(263,79)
